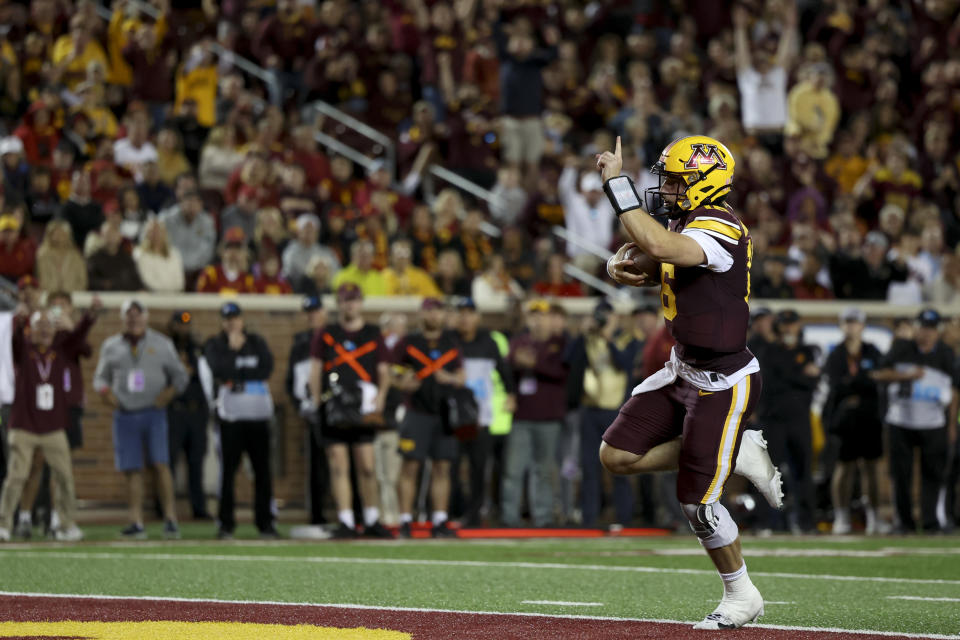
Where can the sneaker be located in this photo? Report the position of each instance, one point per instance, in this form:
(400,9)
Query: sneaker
(841,526)
(270,534)
(733,614)
(404,531)
(134,532)
(443,530)
(377,530)
(170,530)
(24,528)
(4,535)
(754,464)
(73,534)
(223,534)
(343,532)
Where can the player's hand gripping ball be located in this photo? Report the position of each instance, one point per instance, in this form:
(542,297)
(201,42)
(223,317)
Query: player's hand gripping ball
(630,266)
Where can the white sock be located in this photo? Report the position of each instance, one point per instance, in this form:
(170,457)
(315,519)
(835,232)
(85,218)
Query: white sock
(871,517)
(54,520)
(439,517)
(370,516)
(26,517)
(841,515)
(406,518)
(737,582)
(346,517)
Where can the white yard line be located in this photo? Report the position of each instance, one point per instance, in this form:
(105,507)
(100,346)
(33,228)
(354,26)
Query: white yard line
(764,602)
(923,599)
(174,557)
(563,603)
(886,552)
(893,634)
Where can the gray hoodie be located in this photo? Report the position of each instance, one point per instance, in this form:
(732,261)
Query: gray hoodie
(137,376)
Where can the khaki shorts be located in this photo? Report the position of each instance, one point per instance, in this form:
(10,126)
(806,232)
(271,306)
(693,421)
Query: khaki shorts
(522,140)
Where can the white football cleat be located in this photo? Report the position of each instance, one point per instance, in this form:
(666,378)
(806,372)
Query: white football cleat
(754,464)
(73,534)
(734,613)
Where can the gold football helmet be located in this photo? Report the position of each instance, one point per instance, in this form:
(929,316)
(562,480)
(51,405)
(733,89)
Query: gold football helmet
(703,164)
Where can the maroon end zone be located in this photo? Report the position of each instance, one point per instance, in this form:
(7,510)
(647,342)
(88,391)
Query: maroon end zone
(422,625)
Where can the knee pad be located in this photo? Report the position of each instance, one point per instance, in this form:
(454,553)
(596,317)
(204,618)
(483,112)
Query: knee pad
(712,524)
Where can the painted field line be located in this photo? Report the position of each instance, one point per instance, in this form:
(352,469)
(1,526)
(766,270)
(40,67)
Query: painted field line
(886,552)
(923,599)
(764,602)
(526,614)
(187,557)
(563,603)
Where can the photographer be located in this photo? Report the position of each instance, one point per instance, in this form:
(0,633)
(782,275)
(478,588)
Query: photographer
(297,384)
(599,377)
(240,365)
(429,364)
(349,372)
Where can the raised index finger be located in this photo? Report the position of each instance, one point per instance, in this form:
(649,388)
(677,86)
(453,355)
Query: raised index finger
(617,149)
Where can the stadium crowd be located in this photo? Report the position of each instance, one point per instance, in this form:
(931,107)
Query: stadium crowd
(146,149)
(138,156)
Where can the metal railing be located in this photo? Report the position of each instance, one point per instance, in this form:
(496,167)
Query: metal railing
(390,155)
(365,130)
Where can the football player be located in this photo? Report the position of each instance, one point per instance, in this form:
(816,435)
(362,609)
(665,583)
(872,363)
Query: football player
(689,415)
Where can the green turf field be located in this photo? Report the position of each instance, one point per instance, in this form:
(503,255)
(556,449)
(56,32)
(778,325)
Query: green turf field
(851,583)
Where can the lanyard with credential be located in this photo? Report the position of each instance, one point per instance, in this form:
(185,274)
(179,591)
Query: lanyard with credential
(44,371)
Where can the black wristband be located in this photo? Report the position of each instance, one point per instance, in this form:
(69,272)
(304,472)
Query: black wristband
(622,194)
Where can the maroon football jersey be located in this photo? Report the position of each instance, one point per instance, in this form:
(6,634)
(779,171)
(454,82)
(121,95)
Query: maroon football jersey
(707,312)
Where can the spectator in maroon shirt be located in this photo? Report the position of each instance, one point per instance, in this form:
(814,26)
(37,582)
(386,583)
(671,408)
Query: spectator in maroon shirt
(280,45)
(543,210)
(378,197)
(541,373)
(421,130)
(60,310)
(375,54)
(481,65)
(152,71)
(40,414)
(473,145)
(387,106)
(304,152)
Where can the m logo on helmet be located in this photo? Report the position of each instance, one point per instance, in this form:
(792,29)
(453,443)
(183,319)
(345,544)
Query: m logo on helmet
(704,155)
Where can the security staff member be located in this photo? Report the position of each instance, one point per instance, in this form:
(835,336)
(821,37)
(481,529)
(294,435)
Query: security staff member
(187,413)
(297,384)
(922,414)
(790,377)
(240,364)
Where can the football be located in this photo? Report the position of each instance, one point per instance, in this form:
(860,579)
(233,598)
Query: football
(643,265)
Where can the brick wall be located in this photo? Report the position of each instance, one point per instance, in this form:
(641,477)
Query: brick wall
(96,479)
